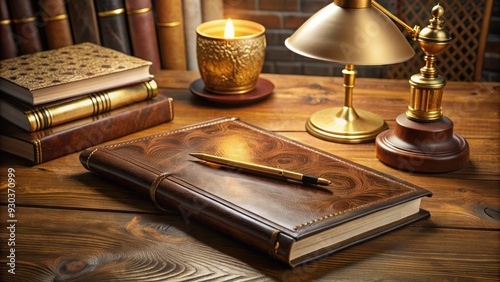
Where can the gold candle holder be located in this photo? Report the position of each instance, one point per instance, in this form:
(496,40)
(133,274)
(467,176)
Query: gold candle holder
(230,65)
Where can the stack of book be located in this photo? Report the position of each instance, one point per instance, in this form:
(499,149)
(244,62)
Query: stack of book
(60,101)
(153,30)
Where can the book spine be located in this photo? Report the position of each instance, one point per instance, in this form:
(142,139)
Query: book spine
(192,11)
(212,10)
(8,47)
(57,29)
(170,26)
(105,127)
(93,104)
(83,20)
(113,26)
(143,31)
(25,26)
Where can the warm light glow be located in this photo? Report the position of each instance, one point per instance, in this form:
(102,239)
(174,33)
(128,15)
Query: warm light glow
(229,31)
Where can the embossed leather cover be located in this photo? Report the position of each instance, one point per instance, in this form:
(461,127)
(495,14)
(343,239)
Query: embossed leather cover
(267,213)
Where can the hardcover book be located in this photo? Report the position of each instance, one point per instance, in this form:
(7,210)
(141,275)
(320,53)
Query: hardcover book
(113,25)
(143,31)
(192,16)
(25,22)
(170,25)
(83,19)
(68,72)
(290,221)
(45,145)
(8,48)
(56,23)
(32,118)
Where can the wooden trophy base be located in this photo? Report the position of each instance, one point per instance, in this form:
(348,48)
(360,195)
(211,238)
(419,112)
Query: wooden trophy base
(422,147)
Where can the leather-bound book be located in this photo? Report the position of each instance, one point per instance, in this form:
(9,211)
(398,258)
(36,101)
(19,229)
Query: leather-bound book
(56,23)
(48,144)
(83,18)
(212,10)
(170,27)
(48,115)
(69,72)
(8,47)
(25,22)
(290,221)
(143,31)
(113,26)
(192,14)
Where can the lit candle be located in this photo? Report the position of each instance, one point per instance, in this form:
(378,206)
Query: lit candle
(229,30)
(230,55)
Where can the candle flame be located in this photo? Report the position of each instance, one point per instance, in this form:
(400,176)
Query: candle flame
(229,31)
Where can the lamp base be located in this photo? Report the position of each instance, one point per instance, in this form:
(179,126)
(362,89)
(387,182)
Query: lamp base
(422,147)
(345,125)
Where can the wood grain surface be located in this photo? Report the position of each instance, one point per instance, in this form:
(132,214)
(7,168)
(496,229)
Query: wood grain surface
(74,226)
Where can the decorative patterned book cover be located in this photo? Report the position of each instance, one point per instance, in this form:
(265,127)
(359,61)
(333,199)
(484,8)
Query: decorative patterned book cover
(25,26)
(170,26)
(292,222)
(48,144)
(8,47)
(143,31)
(56,23)
(113,26)
(48,115)
(68,72)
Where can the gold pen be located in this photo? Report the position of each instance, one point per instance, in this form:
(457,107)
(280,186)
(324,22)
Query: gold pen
(272,171)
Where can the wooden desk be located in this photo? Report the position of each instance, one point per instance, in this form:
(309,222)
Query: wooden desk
(72,224)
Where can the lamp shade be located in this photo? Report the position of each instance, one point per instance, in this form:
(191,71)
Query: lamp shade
(359,36)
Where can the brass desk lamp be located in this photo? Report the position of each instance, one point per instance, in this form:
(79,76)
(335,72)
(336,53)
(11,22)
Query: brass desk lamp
(423,139)
(350,32)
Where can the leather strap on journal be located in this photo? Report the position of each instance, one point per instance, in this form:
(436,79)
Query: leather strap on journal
(154,187)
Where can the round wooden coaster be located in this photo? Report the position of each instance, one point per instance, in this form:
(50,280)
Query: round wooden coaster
(262,89)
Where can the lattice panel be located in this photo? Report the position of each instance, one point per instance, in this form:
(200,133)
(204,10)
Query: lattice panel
(463,19)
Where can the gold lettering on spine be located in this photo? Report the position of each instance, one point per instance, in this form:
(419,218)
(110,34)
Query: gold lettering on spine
(56,18)
(111,13)
(140,11)
(101,102)
(24,20)
(152,89)
(170,24)
(37,147)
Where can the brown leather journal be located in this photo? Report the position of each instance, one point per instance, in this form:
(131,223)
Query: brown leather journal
(290,221)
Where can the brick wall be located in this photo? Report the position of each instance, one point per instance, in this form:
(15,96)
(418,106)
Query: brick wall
(282,17)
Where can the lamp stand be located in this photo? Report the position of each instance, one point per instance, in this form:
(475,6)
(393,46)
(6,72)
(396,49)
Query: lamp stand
(345,124)
(423,139)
